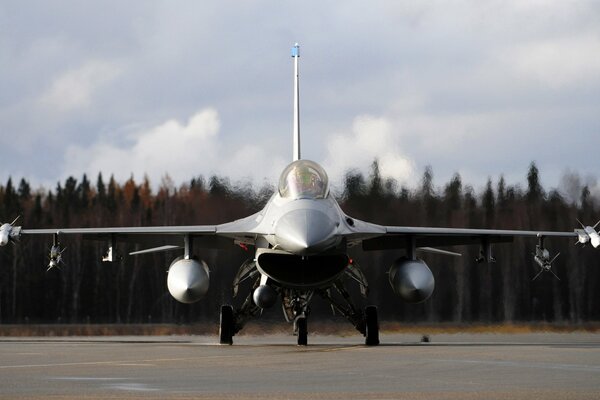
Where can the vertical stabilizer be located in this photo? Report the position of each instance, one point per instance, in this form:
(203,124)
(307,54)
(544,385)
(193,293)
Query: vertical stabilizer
(296,56)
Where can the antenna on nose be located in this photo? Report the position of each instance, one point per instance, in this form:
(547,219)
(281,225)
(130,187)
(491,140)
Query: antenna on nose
(296,56)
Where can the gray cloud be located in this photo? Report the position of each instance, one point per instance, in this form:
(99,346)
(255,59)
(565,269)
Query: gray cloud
(481,88)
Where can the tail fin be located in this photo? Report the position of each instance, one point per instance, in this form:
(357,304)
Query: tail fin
(296,56)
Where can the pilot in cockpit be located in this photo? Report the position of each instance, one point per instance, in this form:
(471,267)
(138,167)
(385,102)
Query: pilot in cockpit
(303,179)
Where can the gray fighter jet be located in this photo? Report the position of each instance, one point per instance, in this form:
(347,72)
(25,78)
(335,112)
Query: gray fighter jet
(300,242)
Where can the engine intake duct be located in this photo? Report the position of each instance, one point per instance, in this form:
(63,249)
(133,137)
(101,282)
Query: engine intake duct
(301,271)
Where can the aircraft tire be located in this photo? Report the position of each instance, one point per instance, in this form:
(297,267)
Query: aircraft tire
(372,326)
(226,325)
(302,325)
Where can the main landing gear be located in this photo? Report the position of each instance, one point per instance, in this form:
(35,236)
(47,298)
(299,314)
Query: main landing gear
(295,304)
(367,324)
(226,326)
(371,326)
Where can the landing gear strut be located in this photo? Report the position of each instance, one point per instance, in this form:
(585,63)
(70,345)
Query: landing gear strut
(233,320)
(366,323)
(295,308)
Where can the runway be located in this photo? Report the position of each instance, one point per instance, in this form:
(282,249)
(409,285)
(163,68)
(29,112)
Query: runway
(461,366)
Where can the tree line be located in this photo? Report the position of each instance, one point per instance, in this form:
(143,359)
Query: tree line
(134,289)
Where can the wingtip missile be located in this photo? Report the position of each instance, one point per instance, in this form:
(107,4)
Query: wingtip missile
(9,232)
(588,234)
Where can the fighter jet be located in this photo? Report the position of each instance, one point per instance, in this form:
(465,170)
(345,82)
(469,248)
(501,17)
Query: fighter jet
(300,242)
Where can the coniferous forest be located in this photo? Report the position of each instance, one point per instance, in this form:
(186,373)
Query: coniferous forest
(134,289)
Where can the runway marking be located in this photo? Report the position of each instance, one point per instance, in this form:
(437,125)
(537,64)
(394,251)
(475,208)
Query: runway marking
(353,347)
(567,367)
(111,362)
(112,383)
(136,365)
(86,378)
(133,387)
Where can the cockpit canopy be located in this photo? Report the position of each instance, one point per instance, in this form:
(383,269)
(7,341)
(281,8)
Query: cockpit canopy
(304,179)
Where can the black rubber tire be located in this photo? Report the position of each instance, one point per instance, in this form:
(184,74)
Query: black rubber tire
(226,325)
(372,326)
(302,326)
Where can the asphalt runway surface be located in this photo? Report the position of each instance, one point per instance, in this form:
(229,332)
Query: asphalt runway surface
(457,366)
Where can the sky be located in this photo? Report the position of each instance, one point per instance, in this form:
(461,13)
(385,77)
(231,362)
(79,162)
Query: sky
(189,88)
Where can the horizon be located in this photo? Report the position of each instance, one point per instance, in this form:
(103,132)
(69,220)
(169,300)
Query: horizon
(570,187)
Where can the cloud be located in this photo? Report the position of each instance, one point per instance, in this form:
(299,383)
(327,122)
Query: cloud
(179,150)
(482,88)
(370,138)
(557,62)
(75,88)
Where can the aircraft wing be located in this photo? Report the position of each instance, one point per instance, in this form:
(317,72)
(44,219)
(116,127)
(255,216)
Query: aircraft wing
(396,237)
(242,231)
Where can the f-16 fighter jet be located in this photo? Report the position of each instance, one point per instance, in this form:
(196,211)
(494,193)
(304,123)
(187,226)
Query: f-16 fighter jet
(300,242)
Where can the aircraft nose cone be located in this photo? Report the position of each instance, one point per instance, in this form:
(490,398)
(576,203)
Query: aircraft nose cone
(3,236)
(305,231)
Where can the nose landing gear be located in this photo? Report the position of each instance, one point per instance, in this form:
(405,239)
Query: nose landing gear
(301,330)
